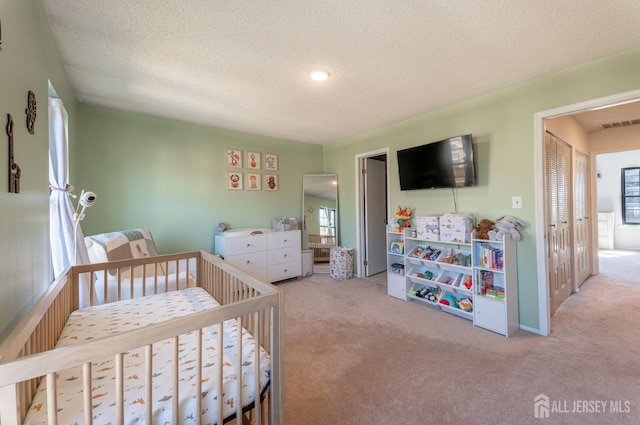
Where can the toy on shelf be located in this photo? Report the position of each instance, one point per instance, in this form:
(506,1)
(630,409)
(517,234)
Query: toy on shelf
(482,229)
(448,280)
(427,274)
(426,292)
(403,216)
(417,252)
(457,258)
(397,247)
(449,300)
(507,225)
(467,281)
(465,304)
(430,254)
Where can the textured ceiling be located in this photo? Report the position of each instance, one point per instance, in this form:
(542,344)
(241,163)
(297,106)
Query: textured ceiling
(243,64)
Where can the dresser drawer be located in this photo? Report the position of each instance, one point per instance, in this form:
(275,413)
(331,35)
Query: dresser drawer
(260,273)
(248,261)
(276,256)
(283,271)
(279,240)
(245,245)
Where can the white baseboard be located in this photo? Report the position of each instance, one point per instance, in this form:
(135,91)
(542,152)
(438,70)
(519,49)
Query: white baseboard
(532,330)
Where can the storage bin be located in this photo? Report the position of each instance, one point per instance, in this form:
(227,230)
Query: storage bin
(428,228)
(307,262)
(456,227)
(284,223)
(397,268)
(341,263)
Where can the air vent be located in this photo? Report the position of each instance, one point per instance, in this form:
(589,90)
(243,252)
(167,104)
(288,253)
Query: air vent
(621,123)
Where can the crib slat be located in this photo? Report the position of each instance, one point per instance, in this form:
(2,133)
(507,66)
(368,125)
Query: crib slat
(52,399)
(175,396)
(104,285)
(86,393)
(256,362)
(239,372)
(132,270)
(219,376)
(198,376)
(119,389)
(148,378)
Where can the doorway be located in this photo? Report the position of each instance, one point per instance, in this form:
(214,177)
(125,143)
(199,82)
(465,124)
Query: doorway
(372,209)
(543,258)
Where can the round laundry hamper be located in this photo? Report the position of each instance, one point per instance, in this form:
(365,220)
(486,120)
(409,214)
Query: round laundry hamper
(341,263)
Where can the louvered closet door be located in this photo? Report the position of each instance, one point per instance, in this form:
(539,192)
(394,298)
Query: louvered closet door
(582,228)
(558,184)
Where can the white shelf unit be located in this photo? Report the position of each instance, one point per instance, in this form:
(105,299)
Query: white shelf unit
(496,285)
(439,274)
(458,273)
(396,282)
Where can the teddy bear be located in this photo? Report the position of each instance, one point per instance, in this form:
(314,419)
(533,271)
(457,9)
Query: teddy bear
(483,228)
(403,216)
(507,225)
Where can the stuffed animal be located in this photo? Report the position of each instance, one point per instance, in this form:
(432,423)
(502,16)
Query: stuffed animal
(507,225)
(220,229)
(403,216)
(483,228)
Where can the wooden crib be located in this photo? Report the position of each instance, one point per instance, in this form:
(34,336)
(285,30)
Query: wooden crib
(29,354)
(321,245)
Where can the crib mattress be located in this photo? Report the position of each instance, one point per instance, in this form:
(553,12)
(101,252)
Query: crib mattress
(97,321)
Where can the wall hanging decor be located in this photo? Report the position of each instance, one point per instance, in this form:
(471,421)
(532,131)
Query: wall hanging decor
(31,112)
(253,160)
(14,169)
(254,181)
(234,180)
(234,158)
(271,162)
(270,182)
(0,36)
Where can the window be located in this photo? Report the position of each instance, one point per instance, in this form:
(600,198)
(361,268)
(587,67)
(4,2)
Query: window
(631,195)
(327,218)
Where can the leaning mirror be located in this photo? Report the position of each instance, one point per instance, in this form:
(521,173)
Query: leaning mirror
(319,215)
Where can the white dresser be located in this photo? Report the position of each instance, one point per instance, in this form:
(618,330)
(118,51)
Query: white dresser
(272,256)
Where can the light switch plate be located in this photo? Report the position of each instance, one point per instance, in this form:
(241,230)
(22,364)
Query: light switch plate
(516,201)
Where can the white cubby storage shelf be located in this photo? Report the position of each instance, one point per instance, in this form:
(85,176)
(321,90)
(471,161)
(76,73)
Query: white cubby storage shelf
(476,281)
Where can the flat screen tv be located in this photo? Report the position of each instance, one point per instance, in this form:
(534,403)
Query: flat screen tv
(446,163)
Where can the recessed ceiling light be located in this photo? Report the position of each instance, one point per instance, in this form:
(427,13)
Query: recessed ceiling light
(319,74)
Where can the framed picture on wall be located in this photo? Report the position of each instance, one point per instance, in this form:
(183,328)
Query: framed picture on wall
(270,182)
(253,160)
(254,181)
(234,180)
(234,158)
(271,162)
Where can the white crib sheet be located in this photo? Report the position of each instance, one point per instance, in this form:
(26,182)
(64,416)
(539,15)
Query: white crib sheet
(103,320)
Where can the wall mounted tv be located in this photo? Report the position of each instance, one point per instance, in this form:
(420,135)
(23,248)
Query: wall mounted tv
(446,163)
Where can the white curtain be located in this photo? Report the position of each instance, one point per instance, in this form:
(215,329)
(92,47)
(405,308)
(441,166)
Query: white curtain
(62,225)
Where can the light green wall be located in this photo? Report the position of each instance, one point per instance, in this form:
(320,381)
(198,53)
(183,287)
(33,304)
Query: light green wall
(29,58)
(502,127)
(170,177)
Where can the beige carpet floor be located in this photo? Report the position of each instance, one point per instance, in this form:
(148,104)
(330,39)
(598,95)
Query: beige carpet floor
(353,355)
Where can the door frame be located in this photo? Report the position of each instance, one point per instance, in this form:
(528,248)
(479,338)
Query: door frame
(360,222)
(544,321)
